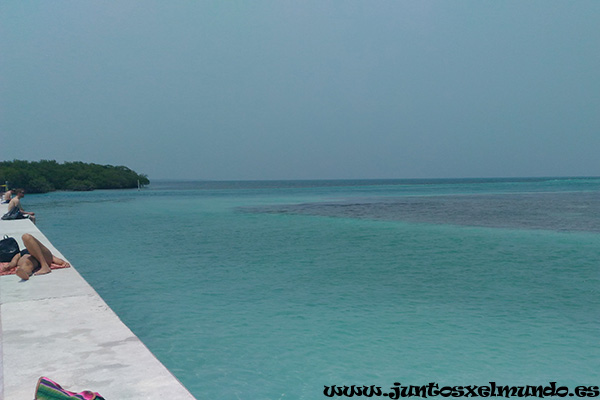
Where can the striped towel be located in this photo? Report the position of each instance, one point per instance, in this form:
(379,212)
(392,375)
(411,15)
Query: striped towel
(47,389)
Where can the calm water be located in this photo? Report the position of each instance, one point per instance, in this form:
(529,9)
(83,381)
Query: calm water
(271,290)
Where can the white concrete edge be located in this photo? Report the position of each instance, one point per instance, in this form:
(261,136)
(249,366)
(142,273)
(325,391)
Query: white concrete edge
(11,349)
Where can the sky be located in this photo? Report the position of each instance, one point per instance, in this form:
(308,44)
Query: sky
(311,89)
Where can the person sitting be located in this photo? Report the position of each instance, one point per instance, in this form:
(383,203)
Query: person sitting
(15,211)
(6,196)
(35,259)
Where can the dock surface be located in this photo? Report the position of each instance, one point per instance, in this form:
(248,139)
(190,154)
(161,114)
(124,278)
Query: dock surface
(57,326)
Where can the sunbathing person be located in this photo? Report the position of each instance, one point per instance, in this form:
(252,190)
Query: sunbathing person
(36,258)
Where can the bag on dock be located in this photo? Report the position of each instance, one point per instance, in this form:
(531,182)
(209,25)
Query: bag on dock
(15,213)
(8,248)
(47,389)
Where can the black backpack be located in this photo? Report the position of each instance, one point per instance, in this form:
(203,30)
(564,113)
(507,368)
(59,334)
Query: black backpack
(8,249)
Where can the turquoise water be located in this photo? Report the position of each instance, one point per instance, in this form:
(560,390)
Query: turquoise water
(272,290)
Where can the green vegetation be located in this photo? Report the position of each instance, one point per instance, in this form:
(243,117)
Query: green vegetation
(45,176)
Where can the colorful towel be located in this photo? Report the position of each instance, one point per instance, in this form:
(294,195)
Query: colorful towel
(47,389)
(12,271)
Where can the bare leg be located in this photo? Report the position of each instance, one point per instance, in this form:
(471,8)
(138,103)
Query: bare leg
(39,252)
(59,261)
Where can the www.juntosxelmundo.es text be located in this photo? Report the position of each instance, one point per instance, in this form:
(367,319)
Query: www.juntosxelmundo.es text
(433,390)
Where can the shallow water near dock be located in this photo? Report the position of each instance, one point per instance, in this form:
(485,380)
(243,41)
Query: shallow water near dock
(273,290)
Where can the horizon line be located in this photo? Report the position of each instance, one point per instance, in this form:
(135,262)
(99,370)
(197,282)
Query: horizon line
(374,179)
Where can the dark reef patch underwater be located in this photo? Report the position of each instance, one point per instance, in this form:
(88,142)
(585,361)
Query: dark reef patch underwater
(551,211)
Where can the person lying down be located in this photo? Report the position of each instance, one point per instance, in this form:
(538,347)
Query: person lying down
(34,259)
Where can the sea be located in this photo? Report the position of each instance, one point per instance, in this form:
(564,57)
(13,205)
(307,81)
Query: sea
(280,289)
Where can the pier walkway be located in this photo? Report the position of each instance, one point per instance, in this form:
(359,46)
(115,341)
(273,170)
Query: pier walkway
(56,325)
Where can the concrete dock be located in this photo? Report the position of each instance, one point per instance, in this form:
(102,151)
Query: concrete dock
(56,325)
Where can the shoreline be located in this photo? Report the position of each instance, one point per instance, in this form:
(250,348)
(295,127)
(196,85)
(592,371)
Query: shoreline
(57,326)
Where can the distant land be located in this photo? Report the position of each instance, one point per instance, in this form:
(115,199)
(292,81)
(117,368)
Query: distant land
(48,175)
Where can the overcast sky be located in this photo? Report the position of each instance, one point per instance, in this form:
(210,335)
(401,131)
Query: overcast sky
(304,89)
